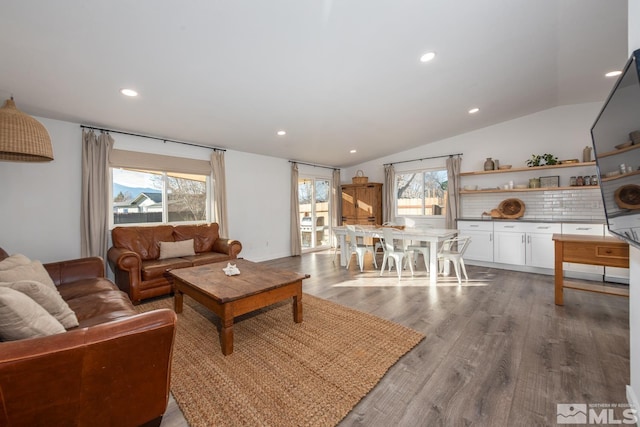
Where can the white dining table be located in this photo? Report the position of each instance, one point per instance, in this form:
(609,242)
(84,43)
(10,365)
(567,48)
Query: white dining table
(433,236)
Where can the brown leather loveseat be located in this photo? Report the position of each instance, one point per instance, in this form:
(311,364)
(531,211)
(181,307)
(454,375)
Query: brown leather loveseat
(111,370)
(139,269)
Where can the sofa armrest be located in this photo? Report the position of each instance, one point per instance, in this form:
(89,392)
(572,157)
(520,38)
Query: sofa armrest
(230,247)
(75,269)
(115,373)
(127,268)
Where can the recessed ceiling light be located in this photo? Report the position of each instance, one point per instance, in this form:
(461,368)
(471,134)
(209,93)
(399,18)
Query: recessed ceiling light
(474,110)
(427,57)
(128,92)
(281,133)
(353,151)
(613,73)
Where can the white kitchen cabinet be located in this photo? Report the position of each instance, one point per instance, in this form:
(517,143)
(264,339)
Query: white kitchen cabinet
(584,230)
(509,244)
(481,234)
(540,246)
(523,244)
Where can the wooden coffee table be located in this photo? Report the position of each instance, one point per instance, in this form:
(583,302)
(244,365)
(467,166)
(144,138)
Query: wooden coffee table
(256,286)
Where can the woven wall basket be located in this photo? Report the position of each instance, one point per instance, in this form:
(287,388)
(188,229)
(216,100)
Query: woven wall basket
(360,178)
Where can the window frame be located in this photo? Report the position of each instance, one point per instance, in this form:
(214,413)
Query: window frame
(421,171)
(165,211)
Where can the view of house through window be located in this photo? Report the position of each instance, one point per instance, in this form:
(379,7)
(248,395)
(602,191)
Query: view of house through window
(313,201)
(142,196)
(421,192)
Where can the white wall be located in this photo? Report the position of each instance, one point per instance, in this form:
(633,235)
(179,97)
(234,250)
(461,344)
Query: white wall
(562,131)
(40,203)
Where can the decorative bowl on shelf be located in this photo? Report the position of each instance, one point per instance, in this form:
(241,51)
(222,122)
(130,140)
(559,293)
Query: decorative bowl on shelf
(470,187)
(504,167)
(569,161)
(521,186)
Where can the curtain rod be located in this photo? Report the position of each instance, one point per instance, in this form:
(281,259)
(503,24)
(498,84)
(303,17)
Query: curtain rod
(152,137)
(315,166)
(424,158)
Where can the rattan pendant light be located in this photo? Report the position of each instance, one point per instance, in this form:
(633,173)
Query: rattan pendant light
(22,138)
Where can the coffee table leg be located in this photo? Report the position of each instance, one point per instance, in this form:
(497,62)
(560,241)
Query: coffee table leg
(177,301)
(297,308)
(226,331)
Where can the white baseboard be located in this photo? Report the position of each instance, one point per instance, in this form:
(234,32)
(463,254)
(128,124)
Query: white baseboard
(632,399)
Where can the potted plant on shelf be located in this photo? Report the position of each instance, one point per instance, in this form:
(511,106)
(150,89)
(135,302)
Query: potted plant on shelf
(542,160)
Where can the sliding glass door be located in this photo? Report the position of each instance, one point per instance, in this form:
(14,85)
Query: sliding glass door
(315,217)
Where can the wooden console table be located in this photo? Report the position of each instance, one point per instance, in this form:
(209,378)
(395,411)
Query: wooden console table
(596,250)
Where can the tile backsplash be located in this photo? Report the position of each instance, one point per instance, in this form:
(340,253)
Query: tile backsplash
(569,204)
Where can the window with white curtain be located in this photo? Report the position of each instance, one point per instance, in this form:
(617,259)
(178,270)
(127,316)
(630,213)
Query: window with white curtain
(421,192)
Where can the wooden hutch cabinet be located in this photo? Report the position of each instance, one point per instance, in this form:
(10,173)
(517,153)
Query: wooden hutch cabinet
(362,204)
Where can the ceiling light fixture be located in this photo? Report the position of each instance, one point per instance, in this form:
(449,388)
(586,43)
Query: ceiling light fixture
(22,138)
(613,73)
(353,151)
(427,57)
(281,133)
(474,110)
(128,92)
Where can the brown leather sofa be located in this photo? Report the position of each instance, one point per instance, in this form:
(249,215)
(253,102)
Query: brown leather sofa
(134,256)
(112,370)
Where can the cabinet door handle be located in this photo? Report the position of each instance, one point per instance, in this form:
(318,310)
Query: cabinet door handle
(491,237)
(528,239)
(523,238)
(583,228)
(474,225)
(509,226)
(542,228)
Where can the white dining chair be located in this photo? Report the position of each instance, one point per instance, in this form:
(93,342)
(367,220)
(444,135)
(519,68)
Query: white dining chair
(452,251)
(392,252)
(359,247)
(424,250)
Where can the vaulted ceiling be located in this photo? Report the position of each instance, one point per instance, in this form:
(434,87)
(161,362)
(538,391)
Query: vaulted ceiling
(335,75)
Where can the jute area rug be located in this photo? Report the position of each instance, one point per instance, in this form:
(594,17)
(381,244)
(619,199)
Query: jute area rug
(281,373)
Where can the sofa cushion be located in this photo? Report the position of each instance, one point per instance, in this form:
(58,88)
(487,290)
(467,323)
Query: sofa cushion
(206,258)
(157,268)
(32,271)
(21,317)
(48,298)
(83,287)
(176,249)
(100,307)
(14,261)
(203,235)
(145,241)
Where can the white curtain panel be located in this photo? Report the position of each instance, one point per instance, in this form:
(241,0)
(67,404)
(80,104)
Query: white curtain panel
(219,184)
(94,209)
(388,211)
(453,191)
(296,244)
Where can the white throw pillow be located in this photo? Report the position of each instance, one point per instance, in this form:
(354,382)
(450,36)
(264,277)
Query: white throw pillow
(32,271)
(21,317)
(14,261)
(49,299)
(176,249)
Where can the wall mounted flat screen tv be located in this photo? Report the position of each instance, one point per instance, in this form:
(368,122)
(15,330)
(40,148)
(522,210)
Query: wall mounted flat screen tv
(616,143)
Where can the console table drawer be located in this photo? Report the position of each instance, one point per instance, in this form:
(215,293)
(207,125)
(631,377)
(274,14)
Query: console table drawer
(612,252)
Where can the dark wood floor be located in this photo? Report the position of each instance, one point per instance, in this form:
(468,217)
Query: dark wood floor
(498,351)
